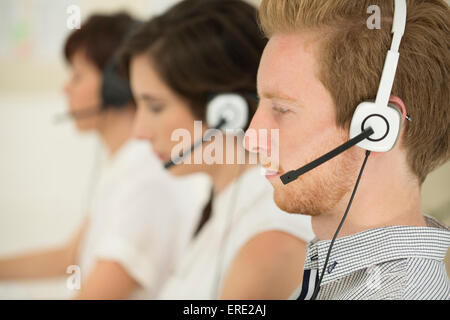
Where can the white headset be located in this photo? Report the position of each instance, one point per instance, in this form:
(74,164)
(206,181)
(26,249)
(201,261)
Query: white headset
(385,119)
(231,108)
(225,111)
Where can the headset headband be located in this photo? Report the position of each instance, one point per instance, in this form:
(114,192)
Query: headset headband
(390,66)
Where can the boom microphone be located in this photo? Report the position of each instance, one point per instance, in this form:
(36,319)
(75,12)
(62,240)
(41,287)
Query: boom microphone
(294,174)
(78,114)
(178,160)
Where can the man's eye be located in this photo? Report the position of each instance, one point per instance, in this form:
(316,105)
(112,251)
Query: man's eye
(280,110)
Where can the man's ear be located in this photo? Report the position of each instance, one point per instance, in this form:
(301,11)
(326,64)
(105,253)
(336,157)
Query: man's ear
(400,105)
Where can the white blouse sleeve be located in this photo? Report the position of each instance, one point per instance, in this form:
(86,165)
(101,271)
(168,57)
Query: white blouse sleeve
(263,217)
(146,234)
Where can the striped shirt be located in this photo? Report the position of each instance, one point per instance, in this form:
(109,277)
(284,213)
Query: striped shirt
(395,263)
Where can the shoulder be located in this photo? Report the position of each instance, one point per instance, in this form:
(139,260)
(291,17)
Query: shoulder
(143,185)
(426,280)
(408,279)
(264,215)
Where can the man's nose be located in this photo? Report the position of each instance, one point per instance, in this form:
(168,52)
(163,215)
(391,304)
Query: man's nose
(258,136)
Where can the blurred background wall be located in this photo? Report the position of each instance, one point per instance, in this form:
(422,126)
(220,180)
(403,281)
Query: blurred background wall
(45,168)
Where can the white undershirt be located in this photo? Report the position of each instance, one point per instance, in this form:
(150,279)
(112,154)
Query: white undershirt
(141,217)
(243,210)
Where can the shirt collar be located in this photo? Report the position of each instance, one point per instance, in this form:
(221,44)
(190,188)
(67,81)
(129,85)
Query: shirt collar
(371,247)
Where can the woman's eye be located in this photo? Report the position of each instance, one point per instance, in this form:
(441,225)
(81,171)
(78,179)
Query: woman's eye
(76,77)
(155,109)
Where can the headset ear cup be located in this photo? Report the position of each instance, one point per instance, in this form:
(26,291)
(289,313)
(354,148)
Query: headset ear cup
(399,111)
(385,122)
(231,107)
(116,90)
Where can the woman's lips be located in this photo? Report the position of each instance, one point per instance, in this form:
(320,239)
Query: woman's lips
(270,174)
(161,156)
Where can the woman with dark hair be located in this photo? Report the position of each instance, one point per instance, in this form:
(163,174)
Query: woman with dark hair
(178,63)
(140,218)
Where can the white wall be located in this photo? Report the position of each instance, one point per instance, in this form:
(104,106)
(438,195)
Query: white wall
(44,175)
(44,170)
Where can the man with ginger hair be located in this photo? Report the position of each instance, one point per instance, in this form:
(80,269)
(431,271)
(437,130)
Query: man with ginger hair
(321,62)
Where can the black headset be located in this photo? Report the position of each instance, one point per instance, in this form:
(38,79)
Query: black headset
(115,88)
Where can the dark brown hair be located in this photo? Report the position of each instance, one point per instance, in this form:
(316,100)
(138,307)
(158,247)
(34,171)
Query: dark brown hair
(202,48)
(100,37)
(351,60)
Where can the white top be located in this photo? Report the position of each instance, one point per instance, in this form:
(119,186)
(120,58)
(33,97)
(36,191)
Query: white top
(140,217)
(243,210)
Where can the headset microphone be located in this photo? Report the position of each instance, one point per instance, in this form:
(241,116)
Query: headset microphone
(225,111)
(115,89)
(294,174)
(77,114)
(115,93)
(375,126)
(171,163)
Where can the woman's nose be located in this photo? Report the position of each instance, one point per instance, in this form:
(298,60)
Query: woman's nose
(66,88)
(141,127)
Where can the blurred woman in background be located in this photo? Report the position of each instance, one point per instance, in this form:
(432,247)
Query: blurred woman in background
(244,247)
(140,218)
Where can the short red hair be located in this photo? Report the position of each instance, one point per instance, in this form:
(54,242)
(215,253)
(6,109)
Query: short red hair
(351,59)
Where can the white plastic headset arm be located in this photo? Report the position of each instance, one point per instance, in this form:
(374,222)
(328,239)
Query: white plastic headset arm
(390,66)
